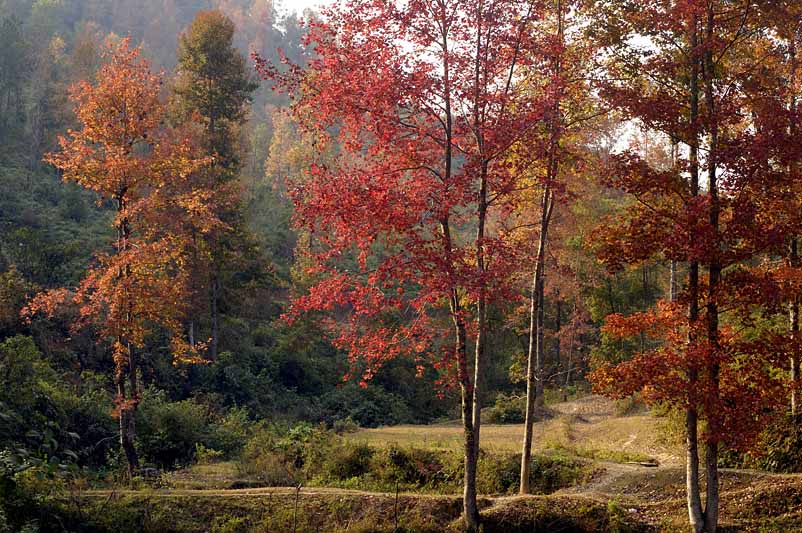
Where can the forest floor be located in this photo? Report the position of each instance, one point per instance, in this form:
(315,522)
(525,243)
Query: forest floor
(638,485)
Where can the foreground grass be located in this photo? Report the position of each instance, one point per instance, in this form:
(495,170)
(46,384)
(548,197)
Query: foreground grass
(636,502)
(585,455)
(266,511)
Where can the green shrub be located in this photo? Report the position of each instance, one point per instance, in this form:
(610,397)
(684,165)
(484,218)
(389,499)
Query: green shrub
(369,407)
(777,449)
(206,456)
(230,433)
(280,457)
(229,524)
(498,474)
(313,455)
(347,460)
(617,517)
(167,432)
(345,426)
(501,473)
(629,405)
(263,460)
(506,410)
(417,467)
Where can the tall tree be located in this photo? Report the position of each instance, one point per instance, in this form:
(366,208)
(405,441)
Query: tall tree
(213,84)
(426,104)
(15,69)
(123,154)
(212,80)
(690,83)
(560,82)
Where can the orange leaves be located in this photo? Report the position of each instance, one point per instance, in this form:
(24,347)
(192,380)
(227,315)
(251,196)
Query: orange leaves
(664,322)
(116,114)
(124,153)
(46,303)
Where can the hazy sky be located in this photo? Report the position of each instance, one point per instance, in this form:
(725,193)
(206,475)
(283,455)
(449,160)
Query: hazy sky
(299,5)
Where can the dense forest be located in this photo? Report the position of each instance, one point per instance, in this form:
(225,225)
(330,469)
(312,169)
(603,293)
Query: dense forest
(231,233)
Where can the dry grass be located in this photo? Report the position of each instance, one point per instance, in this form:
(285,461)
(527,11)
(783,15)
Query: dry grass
(588,426)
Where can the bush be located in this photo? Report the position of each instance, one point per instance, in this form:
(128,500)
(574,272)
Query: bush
(345,426)
(507,410)
(498,474)
(501,473)
(206,456)
(346,461)
(369,407)
(167,432)
(412,466)
(629,405)
(778,449)
(280,457)
(230,433)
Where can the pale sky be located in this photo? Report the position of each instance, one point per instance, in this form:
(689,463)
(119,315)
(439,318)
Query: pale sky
(299,5)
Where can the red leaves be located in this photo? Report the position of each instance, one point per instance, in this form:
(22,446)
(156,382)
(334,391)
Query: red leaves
(410,140)
(727,197)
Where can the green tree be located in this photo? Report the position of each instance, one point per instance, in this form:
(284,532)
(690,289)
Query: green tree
(213,82)
(213,86)
(14,289)
(14,71)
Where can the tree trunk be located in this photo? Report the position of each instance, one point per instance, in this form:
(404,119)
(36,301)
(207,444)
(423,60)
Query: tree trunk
(126,366)
(534,372)
(540,353)
(214,287)
(793,253)
(673,284)
(714,277)
(481,312)
(127,438)
(214,276)
(694,499)
(127,399)
(793,327)
(467,394)
(692,465)
(558,319)
(534,375)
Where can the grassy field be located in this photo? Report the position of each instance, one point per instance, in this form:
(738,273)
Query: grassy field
(588,427)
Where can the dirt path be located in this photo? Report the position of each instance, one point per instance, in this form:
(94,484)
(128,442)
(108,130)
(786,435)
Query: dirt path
(260,492)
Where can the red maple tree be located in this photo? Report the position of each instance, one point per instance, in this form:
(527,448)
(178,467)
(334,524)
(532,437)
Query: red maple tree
(426,107)
(694,81)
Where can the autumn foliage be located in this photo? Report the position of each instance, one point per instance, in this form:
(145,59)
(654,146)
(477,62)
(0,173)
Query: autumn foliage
(435,120)
(123,153)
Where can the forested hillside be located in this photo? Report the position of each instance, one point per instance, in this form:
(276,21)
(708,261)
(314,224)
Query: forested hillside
(230,232)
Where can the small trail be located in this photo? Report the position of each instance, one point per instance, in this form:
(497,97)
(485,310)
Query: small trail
(611,472)
(258,492)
